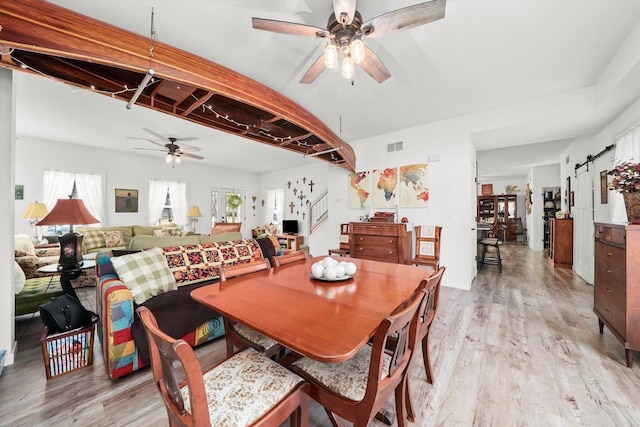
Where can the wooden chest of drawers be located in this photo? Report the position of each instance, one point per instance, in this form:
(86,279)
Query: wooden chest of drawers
(616,293)
(387,242)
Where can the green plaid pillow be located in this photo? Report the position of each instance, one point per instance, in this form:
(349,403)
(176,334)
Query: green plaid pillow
(92,238)
(146,274)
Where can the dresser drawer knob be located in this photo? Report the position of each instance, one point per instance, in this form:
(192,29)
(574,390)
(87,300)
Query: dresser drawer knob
(608,289)
(607,271)
(609,254)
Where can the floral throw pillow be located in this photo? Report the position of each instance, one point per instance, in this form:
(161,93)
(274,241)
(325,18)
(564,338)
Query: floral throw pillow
(24,246)
(161,233)
(113,239)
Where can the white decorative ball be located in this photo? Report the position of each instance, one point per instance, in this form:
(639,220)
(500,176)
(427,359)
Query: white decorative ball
(350,269)
(330,273)
(340,270)
(317,271)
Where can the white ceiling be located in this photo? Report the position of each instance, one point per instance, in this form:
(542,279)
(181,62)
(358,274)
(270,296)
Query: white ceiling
(527,68)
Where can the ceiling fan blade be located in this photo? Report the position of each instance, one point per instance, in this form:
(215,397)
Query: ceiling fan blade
(288,28)
(148,149)
(405,18)
(374,66)
(346,7)
(189,138)
(193,156)
(187,149)
(156,134)
(313,71)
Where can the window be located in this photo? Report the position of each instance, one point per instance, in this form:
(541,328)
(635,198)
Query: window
(275,206)
(62,184)
(167,203)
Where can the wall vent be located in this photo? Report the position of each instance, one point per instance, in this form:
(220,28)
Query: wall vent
(394,146)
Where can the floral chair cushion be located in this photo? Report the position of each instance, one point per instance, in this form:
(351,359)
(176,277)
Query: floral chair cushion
(243,388)
(348,378)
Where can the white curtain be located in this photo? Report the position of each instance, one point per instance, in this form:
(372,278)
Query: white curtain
(178,195)
(57,185)
(157,198)
(627,149)
(275,203)
(89,189)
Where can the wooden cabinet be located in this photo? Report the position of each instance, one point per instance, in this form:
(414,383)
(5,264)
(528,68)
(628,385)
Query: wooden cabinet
(501,209)
(561,242)
(387,242)
(616,286)
(486,209)
(290,242)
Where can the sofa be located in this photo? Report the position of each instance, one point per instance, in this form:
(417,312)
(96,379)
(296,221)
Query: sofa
(99,239)
(122,288)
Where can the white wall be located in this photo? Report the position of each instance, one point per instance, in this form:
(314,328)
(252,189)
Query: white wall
(7,165)
(130,171)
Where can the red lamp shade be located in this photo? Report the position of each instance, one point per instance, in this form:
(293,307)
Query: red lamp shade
(72,212)
(69,212)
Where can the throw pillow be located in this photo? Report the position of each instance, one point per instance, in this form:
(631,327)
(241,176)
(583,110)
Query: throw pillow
(173,231)
(113,239)
(24,246)
(18,278)
(161,233)
(92,239)
(145,273)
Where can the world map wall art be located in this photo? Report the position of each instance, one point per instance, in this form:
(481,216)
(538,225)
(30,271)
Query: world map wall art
(404,187)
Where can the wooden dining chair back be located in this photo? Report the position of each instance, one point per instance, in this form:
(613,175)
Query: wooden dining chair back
(357,388)
(343,249)
(228,394)
(427,250)
(237,335)
(431,287)
(285,259)
(234,270)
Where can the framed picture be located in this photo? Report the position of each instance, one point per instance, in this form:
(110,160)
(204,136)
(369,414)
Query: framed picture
(19,192)
(604,192)
(126,200)
(571,198)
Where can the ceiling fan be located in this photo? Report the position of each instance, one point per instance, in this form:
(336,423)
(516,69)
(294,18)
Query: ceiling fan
(173,150)
(345,31)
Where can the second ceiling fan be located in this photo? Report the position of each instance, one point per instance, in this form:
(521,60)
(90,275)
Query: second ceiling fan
(173,150)
(345,32)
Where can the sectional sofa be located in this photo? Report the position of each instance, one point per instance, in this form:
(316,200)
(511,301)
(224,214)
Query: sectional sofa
(189,262)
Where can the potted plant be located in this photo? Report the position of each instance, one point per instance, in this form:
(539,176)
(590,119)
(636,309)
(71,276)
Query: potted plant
(626,180)
(233,202)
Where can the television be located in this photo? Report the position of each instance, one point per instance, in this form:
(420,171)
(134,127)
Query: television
(290,226)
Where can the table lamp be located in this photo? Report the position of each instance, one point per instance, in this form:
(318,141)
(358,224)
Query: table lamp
(34,212)
(69,212)
(194,214)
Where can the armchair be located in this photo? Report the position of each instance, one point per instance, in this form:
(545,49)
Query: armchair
(30,258)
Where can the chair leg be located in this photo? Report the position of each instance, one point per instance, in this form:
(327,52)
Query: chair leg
(335,422)
(411,416)
(499,258)
(401,401)
(484,253)
(425,357)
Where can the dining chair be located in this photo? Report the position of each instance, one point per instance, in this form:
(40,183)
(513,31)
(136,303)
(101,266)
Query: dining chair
(238,335)
(247,389)
(427,249)
(495,243)
(431,288)
(343,249)
(357,388)
(285,259)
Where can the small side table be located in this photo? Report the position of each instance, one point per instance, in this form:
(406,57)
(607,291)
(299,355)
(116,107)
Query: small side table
(68,274)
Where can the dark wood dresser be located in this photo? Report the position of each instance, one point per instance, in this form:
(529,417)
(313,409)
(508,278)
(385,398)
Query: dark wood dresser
(380,241)
(561,242)
(616,293)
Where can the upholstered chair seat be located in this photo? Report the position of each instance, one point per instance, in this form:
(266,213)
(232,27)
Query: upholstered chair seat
(254,336)
(348,378)
(243,388)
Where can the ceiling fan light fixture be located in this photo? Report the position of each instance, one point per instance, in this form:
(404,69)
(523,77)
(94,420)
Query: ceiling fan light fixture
(168,158)
(330,55)
(357,49)
(177,159)
(348,68)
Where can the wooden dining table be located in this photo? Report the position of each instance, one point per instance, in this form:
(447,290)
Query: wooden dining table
(328,321)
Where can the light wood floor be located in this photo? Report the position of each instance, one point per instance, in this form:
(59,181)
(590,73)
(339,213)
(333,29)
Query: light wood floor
(521,348)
